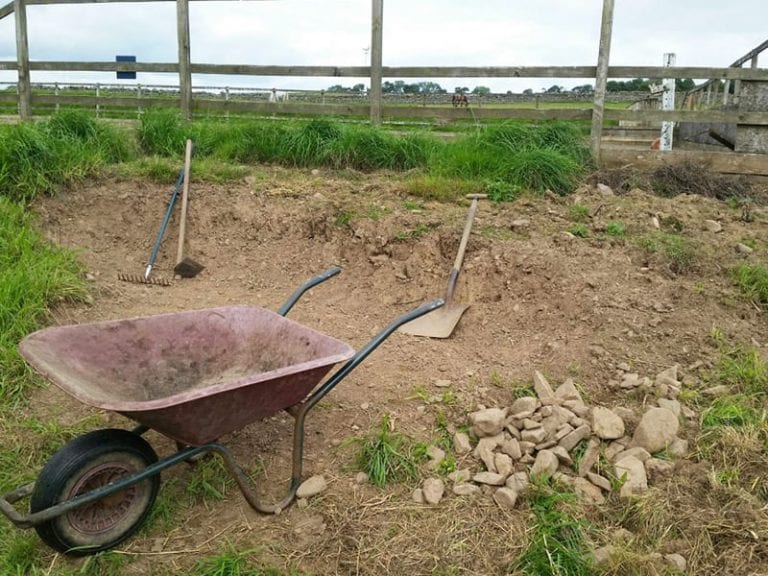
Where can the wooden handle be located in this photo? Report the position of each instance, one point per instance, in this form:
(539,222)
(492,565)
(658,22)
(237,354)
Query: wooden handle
(462,248)
(184,202)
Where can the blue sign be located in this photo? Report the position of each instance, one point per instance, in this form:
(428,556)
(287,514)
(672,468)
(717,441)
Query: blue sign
(126,75)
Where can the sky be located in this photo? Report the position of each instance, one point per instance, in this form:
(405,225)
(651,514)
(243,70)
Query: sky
(416,33)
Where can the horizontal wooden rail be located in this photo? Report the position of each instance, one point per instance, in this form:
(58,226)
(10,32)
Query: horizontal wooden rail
(405,71)
(718,116)
(722,162)
(6,10)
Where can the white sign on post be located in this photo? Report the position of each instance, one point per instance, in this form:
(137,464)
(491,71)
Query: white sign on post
(667,104)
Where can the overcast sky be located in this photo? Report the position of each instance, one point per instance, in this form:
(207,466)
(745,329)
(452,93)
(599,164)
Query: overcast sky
(416,32)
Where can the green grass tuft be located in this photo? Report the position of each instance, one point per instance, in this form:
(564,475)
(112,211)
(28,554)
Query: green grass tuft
(387,457)
(678,252)
(752,279)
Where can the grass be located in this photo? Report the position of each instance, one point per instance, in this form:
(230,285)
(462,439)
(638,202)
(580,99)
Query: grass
(209,480)
(33,277)
(616,229)
(677,252)
(557,543)
(386,456)
(579,229)
(752,279)
(578,212)
(233,563)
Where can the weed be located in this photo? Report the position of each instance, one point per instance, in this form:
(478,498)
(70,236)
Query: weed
(678,252)
(210,480)
(104,564)
(376,212)
(447,465)
(752,279)
(386,456)
(232,563)
(413,206)
(578,212)
(343,218)
(745,369)
(500,191)
(729,411)
(579,230)
(444,189)
(414,233)
(496,232)
(615,229)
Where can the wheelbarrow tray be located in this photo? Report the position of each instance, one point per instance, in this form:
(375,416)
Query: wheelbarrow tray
(194,376)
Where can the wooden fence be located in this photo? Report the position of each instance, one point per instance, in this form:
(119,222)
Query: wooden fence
(375,108)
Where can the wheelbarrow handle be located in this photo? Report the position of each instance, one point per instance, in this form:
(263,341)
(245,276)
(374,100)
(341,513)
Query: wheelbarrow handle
(363,353)
(311,283)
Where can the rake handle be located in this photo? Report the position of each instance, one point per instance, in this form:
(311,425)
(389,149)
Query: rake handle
(184,202)
(462,246)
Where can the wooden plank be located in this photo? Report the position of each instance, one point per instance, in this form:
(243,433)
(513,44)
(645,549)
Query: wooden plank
(22,59)
(722,162)
(6,10)
(104,101)
(185,72)
(714,116)
(105,66)
(6,65)
(601,79)
(377,34)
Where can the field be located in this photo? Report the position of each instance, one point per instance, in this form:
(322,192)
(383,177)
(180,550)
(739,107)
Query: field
(587,285)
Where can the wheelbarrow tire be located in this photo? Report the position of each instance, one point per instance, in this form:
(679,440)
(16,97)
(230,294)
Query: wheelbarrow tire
(85,464)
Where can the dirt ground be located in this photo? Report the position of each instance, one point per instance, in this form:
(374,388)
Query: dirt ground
(540,300)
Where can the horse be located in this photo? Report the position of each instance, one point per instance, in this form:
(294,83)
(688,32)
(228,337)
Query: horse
(460,99)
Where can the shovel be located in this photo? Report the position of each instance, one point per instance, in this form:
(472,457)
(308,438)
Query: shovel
(441,322)
(186,267)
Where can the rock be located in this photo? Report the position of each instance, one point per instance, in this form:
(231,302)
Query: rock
(562,455)
(630,380)
(656,468)
(713,226)
(624,367)
(442,383)
(635,480)
(535,436)
(519,482)
(613,450)
(523,405)
(546,463)
(570,441)
(529,424)
(568,391)
(361,478)
(578,407)
(504,464)
(512,449)
(676,561)
(605,190)
(521,224)
(461,443)
(311,487)
(637,452)
(627,415)
(743,249)
(657,428)
(489,478)
(602,555)
(671,405)
(563,431)
(588,492)
(563,479)
(309,530)
(513,431)
(466,489)
(433,490)
(655,222)
(436,455)
(590,457)
(460,476)
(668,376)
(484,451)
(542,388)
(488,422)
(716,391)
(418,496)
(599,481)
(606,424)
(527,447)
(505,498)
(678,448)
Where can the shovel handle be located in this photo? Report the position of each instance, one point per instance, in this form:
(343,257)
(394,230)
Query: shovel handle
(184,202)
(462,246)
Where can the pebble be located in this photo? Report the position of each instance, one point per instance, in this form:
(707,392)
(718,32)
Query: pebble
(743,249)
(442,383)
(461,443)
(466,489)
(311,487)
(418,496)
(636,478)
(488,422)
(489,478)
(570,441)
(713,226)
(546,463)
(433,490)
(606,424)
(361,478)
(676,561)
(657,428)
(505,498)
(460,476)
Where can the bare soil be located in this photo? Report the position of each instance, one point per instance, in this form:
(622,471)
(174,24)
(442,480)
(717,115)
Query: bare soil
(539,300)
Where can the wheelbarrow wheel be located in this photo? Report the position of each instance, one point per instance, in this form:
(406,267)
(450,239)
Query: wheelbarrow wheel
(87,463)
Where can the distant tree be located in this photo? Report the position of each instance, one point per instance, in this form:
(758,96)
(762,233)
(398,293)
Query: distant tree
(528,91)
(685,84)
(431,88)
(461,90)
(636,85)
(337,88)
(396,87)
(583,89)
(554,89)
(481,90)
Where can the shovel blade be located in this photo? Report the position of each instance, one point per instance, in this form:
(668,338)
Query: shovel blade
(437,324)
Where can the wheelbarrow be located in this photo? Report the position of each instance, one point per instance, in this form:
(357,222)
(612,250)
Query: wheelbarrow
(192,376)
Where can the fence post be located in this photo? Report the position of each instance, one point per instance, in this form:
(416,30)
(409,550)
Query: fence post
(601,78)
(98,95)
(22,60)
(668,103)
(226,101)
(726,92)
(56,94)
(185,68)
(138,101)
(377,23)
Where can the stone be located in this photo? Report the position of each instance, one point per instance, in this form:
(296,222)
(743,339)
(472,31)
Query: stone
(484,451)
(418,496)
(442,383)
(716,391)
(488,422)
(633,472)
(671,405)
(513,431)
(535,436)
(546,463)
(637,452)
(656,468)
(657,428)
(519,482)
(562,455)
(588,492)
(460,476)
(630,380)
(489,478)
(576,422)
(606,424)
(433,490)
(523,405)
(461,443)
(527,447)
(602,555)
(577,407)
(512,449)
(520,224)
(563,479)
(613,450)
(590,457)
(570,441)
(503,464)
(605,190)
(676,561)
(624,367)
(436,455)
(627,415)
(599,481)
(542,388)
(743,249)
(713,226)
(668,376)
(505,498)
(547,444)
(466,489)
(529,424)
(678,448)
(311,487)
(568,391)
(361,478)
(563,431)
